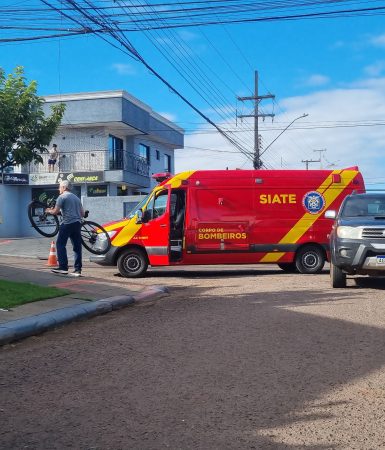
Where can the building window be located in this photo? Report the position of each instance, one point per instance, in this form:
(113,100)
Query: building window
(158,155)
(144,152)
(167,163)
(115,151)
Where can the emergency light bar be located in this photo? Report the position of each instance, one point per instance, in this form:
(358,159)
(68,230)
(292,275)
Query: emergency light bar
(159,177)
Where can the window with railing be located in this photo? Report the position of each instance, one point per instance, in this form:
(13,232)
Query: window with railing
(115,150)
(144,152)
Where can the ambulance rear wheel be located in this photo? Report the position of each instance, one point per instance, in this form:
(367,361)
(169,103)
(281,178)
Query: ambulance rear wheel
(132,263)
(288,267)
(310,259)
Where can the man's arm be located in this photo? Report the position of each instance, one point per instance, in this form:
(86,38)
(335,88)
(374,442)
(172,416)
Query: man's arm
(55,211)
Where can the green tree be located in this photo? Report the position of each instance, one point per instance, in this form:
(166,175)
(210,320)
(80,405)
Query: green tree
(25,131)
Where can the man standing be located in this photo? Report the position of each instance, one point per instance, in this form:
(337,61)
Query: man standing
(69,205)
(52,157)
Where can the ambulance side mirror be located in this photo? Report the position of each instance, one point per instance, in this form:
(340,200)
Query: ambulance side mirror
(139,216)
(330,214)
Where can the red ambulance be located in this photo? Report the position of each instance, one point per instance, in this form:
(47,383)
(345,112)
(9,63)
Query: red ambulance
(232,217)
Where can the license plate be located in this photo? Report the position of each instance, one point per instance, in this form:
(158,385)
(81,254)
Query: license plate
(380,259)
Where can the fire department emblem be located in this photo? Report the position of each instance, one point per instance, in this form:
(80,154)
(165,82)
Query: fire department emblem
(313,202)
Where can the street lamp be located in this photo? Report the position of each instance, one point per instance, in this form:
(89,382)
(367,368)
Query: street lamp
(280,134)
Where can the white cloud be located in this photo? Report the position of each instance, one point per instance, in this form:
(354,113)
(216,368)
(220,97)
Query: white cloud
(334,123)
(375,69)
(187,35)
(378,41)
(317,80)
(209,151)
(181,44)
(123,69)
(169,116)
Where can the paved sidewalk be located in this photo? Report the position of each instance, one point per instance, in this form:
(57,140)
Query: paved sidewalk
(26,260)
(34,247)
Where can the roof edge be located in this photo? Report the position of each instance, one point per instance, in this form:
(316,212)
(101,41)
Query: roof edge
(55,98)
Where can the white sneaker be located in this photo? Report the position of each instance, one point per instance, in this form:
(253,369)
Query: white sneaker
(76,273)
(59,271)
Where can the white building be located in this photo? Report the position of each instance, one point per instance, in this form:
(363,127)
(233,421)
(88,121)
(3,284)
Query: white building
(109,143)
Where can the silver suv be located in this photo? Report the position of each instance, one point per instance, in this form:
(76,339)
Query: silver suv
(357,239)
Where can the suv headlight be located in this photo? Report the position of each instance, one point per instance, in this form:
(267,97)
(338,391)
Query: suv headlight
(349,232)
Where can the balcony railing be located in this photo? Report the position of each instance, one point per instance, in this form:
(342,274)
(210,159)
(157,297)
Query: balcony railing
(90,161)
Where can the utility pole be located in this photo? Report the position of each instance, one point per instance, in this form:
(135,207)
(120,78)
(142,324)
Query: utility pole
(320,154)
(257,163)
(307,161)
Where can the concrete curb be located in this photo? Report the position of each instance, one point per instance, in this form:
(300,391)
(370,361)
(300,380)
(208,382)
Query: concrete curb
(33,325)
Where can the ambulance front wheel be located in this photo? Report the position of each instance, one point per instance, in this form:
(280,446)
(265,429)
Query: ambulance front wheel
(310,259)
(132,263)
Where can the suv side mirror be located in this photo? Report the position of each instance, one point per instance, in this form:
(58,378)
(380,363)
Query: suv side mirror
(330,214)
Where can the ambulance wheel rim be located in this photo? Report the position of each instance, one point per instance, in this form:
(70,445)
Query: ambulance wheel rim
(310,259)
(132,263)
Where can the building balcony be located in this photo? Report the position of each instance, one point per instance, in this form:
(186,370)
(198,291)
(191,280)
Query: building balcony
(92,161)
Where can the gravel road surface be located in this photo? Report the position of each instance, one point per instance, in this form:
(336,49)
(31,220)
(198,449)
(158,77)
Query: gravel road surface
(246,358)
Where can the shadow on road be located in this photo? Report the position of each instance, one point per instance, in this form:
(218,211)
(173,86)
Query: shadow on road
(236,371)
(192,273)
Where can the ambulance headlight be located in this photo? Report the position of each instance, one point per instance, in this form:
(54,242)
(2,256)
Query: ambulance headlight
(349,232)
(102,242)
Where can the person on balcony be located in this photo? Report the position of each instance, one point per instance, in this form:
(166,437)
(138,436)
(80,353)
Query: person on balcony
(52,157)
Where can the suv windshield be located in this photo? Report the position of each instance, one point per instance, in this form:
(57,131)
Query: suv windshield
(368,205)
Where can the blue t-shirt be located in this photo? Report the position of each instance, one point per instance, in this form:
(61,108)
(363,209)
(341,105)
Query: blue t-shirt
(70,206)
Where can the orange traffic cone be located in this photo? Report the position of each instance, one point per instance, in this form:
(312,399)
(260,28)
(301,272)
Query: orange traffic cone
(52,260)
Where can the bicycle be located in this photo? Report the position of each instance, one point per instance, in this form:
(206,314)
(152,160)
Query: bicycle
(94,237)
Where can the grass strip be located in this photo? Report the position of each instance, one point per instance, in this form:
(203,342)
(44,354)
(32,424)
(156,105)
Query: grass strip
(14,293)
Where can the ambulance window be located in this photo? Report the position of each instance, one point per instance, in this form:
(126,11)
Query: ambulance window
(157,206)
(160,204)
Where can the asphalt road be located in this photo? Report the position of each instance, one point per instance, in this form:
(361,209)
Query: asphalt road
(247,358)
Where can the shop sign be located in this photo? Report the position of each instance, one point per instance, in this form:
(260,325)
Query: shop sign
(82,177)
(43,178)
(15,178)
(73,177)
(99,190)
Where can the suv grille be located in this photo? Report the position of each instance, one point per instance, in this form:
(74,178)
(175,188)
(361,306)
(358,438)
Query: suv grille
(373,233)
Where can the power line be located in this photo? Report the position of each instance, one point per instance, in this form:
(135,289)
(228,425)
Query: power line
(202,16)
(131,49)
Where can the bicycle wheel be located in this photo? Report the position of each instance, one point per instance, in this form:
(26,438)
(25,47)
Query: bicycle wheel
(45,224)
(95,238)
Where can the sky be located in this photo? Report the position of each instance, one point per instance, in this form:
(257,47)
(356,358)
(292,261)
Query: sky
(332,70)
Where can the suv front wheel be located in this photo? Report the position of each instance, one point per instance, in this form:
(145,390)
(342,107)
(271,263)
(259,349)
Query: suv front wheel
(337,277)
